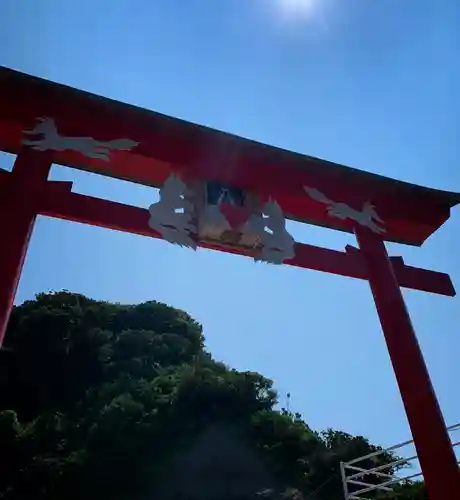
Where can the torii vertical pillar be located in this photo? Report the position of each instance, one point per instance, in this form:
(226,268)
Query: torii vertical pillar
(19,198)
(431,438)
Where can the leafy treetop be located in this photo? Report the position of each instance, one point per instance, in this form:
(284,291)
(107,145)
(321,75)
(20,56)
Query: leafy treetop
(98,398)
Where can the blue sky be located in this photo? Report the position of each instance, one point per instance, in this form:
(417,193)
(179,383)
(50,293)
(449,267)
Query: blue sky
(372,84)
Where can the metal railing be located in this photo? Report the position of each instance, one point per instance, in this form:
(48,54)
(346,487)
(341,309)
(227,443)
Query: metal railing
(358,480)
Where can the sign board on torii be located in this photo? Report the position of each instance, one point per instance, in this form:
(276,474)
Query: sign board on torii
(257,187)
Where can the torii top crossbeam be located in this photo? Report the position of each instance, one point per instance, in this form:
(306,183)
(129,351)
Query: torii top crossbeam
(164,144)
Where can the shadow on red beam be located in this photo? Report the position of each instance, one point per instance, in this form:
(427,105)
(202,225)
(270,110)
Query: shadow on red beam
(111,215)
(424,280)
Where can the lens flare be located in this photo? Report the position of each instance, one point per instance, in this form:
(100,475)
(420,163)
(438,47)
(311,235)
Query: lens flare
(296,8)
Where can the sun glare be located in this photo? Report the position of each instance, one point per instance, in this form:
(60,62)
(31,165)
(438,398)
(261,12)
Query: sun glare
(296,9)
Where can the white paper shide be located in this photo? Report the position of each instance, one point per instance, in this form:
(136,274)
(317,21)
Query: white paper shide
(276,244)
(176,217)
(173,215)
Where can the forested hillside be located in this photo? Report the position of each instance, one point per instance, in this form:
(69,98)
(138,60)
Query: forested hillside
(118,402)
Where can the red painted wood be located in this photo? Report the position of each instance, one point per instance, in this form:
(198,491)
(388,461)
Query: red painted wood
(18,199)
(411,213)
(4,178)
(111,215)
(431,438)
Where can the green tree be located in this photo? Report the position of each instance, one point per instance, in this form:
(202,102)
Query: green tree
(97,398)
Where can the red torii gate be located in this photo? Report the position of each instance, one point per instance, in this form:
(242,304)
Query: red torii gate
(83,132)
